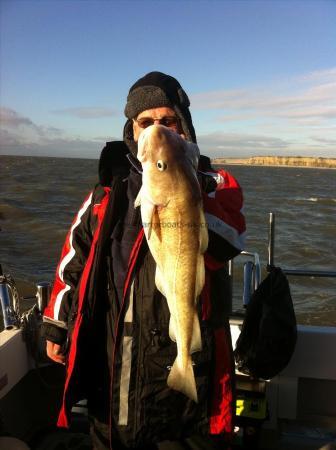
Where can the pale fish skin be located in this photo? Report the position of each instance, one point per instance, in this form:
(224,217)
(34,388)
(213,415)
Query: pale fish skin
(176,232)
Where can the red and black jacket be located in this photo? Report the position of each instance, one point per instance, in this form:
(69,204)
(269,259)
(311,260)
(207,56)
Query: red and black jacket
(119,351)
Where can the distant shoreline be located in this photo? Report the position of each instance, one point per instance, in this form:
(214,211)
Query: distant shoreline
(279,161)
(254,161)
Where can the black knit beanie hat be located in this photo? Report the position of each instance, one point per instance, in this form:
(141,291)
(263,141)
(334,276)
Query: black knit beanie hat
(156,90)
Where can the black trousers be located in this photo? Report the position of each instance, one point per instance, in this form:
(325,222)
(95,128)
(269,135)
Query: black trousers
(99,433)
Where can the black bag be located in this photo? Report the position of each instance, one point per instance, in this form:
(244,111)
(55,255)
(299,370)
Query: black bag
(268,336)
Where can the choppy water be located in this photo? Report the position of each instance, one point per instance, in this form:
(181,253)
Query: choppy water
(39,197)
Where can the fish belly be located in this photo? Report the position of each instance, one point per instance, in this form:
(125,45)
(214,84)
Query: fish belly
(180,278)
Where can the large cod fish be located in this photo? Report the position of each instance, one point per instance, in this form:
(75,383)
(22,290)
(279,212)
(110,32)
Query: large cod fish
(176,232)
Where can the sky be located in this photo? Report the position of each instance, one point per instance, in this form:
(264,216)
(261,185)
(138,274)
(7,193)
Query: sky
(260,75)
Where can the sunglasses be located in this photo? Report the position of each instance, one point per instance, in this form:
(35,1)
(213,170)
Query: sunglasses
(167,121)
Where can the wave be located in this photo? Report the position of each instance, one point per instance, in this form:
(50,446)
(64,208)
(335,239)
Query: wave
(322,200)
(36,212)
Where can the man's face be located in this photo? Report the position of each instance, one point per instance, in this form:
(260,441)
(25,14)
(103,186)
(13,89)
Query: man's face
(164,116)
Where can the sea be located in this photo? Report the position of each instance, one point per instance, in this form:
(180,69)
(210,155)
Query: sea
(40,196)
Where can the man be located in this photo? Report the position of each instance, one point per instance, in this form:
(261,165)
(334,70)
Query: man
(107,321)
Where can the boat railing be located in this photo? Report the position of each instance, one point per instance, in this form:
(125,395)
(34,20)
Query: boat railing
(252,268)
(251,275)
(10,301)
(291,272)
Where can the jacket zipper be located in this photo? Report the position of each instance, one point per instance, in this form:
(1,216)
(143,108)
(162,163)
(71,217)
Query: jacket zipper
(137,412)
(131,264)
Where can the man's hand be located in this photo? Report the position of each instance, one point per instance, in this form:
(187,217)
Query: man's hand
(54,352)
(208,183)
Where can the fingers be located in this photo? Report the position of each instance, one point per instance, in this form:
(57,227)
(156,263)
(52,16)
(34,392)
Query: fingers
(54,352)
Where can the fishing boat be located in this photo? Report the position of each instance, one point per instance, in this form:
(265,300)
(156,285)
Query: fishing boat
(294,410)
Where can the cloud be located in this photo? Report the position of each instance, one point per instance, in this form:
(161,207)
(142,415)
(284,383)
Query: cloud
(10,118)
(291,116)
(310,96)
(18,128)
(90,112)
(320,75)
(318,112)
(7,138)
(19,135)
(263,101)
(59,147)
(325,141)
(286,117)
(236,145)
(239,144)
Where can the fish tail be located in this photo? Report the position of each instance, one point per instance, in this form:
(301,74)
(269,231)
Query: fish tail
(182,379)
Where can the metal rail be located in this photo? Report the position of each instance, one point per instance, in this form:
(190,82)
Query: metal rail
(291,272)
(309,273)
(252,268)
(271,233)
(8,301)
(251,278)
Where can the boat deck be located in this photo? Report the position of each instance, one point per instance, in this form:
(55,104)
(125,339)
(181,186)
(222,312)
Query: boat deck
(295,437)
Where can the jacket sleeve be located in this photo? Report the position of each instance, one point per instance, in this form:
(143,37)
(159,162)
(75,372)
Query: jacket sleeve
(224,217)
(74,255)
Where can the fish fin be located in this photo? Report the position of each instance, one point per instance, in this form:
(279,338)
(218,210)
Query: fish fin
(203,245)
(147,214)
(200,276)
(204,237)
(182,379)
(147,211)
(196,340)
(159,281)
(151,220)
(150,227)
(137,201)
(172,328)
(155,222)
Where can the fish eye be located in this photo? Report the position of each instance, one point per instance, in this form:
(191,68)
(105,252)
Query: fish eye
(161,165)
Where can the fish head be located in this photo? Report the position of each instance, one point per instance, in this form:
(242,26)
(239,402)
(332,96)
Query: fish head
(164,156)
